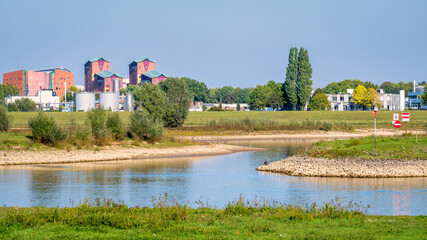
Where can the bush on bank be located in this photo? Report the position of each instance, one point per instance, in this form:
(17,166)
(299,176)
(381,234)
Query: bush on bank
(145,126)
(96,119)
(46,130)
(115,125)
(5,119)
(101,126)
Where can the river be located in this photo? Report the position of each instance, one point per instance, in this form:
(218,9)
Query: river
(213,181)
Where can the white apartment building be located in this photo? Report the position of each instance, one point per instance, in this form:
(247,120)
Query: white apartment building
(390,101)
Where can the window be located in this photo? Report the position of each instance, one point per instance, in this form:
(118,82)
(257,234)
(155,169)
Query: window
(341,98)
(334,99)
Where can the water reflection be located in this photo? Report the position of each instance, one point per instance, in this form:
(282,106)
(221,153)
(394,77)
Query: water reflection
(216,180)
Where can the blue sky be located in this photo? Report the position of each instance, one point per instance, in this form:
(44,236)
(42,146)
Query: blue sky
(222,43)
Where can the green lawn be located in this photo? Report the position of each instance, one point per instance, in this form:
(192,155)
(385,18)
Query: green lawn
(410,147)
(360,119)
(236,221)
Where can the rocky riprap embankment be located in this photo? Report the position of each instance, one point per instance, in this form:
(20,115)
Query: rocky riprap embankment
(347,167)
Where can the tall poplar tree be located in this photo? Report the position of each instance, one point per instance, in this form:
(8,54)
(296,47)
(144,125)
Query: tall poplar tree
(290,85)
(304,81)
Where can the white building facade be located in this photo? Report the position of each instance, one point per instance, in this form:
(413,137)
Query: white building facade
(390,101)
(44,99)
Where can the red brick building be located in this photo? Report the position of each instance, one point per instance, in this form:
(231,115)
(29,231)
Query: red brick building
(105,81)
(152,77)
(93,67)
(138,67)
(18,79)
(31,81)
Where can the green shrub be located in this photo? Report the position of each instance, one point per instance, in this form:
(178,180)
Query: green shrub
(97,122)
(5,119)
(46,130)
(145,127)
(11,107)
(26,105)
(78,135)
(354,142)
(115,125)
(216,109)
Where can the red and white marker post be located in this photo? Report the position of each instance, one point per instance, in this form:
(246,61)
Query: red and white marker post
(405,118)
(397,125)
(375,127)
(395,118)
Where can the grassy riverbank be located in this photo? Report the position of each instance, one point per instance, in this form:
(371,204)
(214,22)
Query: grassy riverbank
(22,141)
(357,119)
(402,147)
(237,220)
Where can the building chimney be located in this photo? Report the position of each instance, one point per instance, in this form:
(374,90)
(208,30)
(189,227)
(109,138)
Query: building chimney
(414,85)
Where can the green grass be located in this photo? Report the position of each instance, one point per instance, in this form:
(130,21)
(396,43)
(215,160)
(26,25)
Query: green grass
(238,220)
(18,141)
(21,140)
(356,118)
(410,147)
(359,119)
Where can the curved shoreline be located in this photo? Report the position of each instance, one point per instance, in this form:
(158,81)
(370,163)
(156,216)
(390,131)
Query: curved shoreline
(113,153)
(347,167)
(306,136)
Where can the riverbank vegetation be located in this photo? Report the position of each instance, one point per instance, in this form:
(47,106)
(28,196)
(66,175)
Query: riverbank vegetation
(358,119)
(247,125)
(239,219)
(156,107)
(411,147)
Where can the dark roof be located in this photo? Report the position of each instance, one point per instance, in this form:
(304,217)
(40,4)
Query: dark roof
(107,74)
(97,59)
(52,69)
(153,74)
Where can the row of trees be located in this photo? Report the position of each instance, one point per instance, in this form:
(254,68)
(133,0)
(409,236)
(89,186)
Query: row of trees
(200,93)
(269,95)
(388,87)
(341,87)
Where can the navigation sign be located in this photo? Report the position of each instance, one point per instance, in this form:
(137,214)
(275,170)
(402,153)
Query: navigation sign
(395,117)
(397,124)
(375,111)
(405,117)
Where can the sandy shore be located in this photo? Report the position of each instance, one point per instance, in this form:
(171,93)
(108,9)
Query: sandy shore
(347,167)
(290,137)
(112,153)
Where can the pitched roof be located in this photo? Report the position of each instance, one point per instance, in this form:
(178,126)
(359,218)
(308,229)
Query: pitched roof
(141,60)
(153,74)
(107,74)
(51,69)
(97,59)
